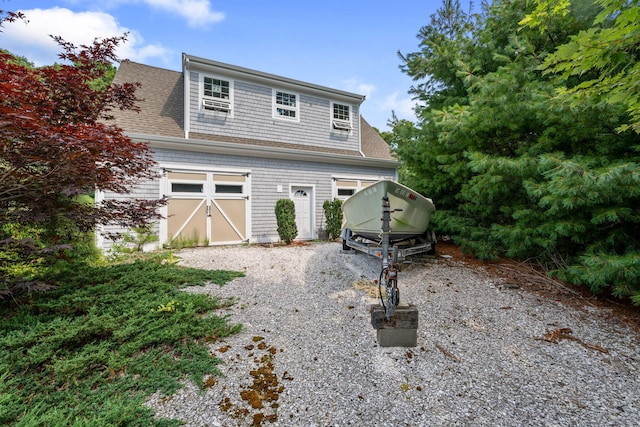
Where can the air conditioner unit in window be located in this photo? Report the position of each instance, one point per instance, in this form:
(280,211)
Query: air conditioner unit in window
(341,125)
(216,105)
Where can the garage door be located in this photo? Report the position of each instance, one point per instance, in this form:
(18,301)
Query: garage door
(207,208)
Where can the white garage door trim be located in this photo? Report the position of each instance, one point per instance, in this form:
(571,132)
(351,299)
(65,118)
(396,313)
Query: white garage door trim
(209,191)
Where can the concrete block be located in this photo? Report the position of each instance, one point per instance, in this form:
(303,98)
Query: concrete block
(397,337)
(405,316)
(400,330)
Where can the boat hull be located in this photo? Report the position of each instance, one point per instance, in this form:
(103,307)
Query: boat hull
(410,215)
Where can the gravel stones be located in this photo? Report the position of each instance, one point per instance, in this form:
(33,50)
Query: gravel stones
(484,354)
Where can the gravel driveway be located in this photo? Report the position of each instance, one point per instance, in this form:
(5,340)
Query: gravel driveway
(308,355)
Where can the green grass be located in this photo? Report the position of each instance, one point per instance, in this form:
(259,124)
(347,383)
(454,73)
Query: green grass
(90,352)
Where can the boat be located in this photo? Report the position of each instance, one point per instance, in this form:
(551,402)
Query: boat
(410,212)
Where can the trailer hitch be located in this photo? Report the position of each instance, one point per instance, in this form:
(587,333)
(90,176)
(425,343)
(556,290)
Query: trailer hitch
(390,268)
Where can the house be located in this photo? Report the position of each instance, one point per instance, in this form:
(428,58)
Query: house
(231,141)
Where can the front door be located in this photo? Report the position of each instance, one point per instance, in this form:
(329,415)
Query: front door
(303,199)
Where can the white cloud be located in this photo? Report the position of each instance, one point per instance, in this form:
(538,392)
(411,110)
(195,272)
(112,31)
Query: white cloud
(353,85)
(33,40)
(197,12)
(403,107)
(149,51)
(378,109)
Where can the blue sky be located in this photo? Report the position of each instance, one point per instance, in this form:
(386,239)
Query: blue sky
(347,45)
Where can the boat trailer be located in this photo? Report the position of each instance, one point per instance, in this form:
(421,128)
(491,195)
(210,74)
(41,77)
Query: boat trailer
(391,255)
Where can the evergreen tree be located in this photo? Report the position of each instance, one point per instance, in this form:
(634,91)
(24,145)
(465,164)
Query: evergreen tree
(519,165)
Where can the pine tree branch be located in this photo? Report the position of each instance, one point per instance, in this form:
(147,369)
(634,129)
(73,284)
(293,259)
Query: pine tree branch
(533,275)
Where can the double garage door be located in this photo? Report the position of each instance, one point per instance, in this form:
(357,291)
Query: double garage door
(207,208)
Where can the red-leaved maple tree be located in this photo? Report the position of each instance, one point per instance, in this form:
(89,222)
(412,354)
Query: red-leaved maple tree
(58,142)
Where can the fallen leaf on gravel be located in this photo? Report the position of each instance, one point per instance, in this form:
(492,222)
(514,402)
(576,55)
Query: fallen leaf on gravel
(559,334)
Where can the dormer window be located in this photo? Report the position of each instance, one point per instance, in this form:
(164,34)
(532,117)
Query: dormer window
(286,105)
(216,88)
(341,117)
(216,95)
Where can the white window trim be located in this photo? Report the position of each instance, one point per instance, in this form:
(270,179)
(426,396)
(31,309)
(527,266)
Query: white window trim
(275,114)
(202,99)
(359,180)
(338,125)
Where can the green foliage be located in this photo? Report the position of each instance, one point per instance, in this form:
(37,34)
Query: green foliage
(104,81)
(27,262)
(286,220)
(333,216)
(136,241)
(90,352)
(186,240)
(20,60)
(521,162)
(606,53)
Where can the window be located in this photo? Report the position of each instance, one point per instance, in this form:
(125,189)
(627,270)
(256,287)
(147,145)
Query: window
(179,187)
(216,94)
(285,105)
(228,189)
(343,188)
(341,116)
(216,88)
(345,192)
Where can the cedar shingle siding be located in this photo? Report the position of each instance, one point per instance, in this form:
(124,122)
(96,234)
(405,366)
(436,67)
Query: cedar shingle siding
(276,154)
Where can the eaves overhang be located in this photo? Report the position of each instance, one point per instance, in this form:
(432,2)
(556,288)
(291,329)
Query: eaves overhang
(247,150)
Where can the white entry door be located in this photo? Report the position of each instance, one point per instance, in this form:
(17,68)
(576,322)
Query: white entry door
(303,199)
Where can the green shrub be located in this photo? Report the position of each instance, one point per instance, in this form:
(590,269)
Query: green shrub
(286,218)
(138,238)
(333,216)
(90,352)
(31,255)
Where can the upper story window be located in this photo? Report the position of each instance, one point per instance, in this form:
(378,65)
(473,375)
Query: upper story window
(286,105)
(217,94)
(216,88)
(341,116)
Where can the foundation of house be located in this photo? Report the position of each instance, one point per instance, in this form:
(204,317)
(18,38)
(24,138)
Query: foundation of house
(400,330)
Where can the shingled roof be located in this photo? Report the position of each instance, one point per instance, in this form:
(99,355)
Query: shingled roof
(162,113)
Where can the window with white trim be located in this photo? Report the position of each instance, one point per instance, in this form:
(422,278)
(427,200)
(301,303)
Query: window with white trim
(343,188)
(228,188)
(341,116)
(344,193)
(216,94)
(286,105)
(185,187)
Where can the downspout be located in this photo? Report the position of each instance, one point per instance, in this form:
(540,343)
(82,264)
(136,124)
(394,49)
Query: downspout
(186,105)
(360,138)
(360,127)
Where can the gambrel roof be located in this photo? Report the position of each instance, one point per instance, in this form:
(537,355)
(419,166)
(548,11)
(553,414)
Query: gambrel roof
(162,115)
